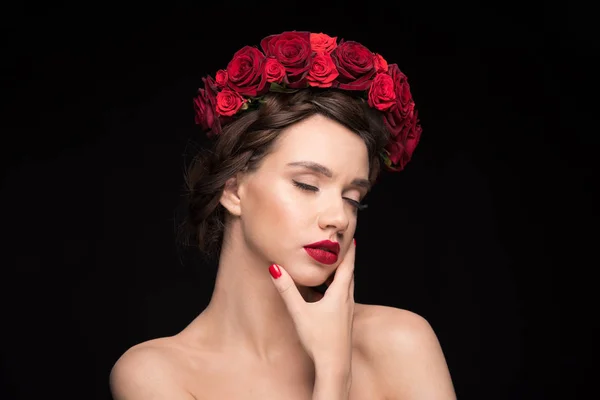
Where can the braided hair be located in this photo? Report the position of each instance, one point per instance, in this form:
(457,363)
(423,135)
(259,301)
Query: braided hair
(247,140)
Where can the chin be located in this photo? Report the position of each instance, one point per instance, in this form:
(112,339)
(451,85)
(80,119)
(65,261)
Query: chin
(309,275)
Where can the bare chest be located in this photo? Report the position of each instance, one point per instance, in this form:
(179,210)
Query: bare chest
(242,383)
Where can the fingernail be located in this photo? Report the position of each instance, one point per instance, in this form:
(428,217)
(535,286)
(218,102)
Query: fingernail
(354,242)
(275,271)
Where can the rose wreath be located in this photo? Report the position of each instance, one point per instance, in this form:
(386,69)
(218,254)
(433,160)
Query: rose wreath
(291,61)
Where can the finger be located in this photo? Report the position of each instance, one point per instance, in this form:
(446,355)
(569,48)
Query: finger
(287,289)
(344,272)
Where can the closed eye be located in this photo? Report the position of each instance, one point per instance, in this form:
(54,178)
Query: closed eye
(304,186)
(311,188)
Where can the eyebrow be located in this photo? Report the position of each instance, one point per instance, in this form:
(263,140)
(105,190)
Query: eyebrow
(323,170)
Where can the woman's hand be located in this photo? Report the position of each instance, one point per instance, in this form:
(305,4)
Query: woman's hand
(325,326)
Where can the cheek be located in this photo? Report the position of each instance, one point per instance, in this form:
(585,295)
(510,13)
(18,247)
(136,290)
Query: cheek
(273,212)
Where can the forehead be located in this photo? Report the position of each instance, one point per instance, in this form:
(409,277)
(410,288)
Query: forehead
(322,140)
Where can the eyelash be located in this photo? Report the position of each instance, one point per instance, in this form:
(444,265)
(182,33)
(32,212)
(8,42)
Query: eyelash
(311,188)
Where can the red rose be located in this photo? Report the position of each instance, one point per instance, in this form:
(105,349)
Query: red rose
(221,78)
(322,71)
(205,108)
(274,72)
(292,50)
(229,102)
(395,118)
(413,139)
(203,116)
(402,147)
(245,72)
(395,121)
(322,43)
(403,95)
(381,94)
(380,64)
(355,65)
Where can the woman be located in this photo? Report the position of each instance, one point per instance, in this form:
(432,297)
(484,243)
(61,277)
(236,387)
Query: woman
(299,127)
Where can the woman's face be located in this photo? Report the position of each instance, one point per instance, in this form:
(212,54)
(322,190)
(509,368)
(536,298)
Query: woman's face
(305,191)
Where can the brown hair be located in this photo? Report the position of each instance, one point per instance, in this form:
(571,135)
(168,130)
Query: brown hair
(244,142)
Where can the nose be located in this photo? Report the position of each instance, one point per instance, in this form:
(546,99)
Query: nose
(335,216)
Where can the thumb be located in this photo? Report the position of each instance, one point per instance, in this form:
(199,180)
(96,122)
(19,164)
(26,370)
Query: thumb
(287,289)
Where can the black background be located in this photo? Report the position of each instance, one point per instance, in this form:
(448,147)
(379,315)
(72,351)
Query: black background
(489,233)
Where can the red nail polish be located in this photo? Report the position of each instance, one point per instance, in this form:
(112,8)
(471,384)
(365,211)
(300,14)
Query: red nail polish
(275,271)
(354,242)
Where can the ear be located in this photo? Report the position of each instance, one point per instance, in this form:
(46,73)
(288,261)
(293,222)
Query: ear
(230,198)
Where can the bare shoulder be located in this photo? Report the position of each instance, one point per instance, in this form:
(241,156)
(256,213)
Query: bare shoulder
(377,324)
(404,351)
(384,314)
(381,322)
(150,370)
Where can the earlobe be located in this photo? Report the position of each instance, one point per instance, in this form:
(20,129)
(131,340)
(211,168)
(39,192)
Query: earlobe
(230,198)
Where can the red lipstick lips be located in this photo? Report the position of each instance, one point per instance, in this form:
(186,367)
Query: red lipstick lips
(325,251)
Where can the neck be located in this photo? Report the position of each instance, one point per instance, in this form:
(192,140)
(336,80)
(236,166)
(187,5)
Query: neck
(246,312)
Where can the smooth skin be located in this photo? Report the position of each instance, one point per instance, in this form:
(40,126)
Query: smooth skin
(325,326)
(247,344)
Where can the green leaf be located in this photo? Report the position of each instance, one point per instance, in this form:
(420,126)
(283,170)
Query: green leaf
(386,159)
(276,87)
